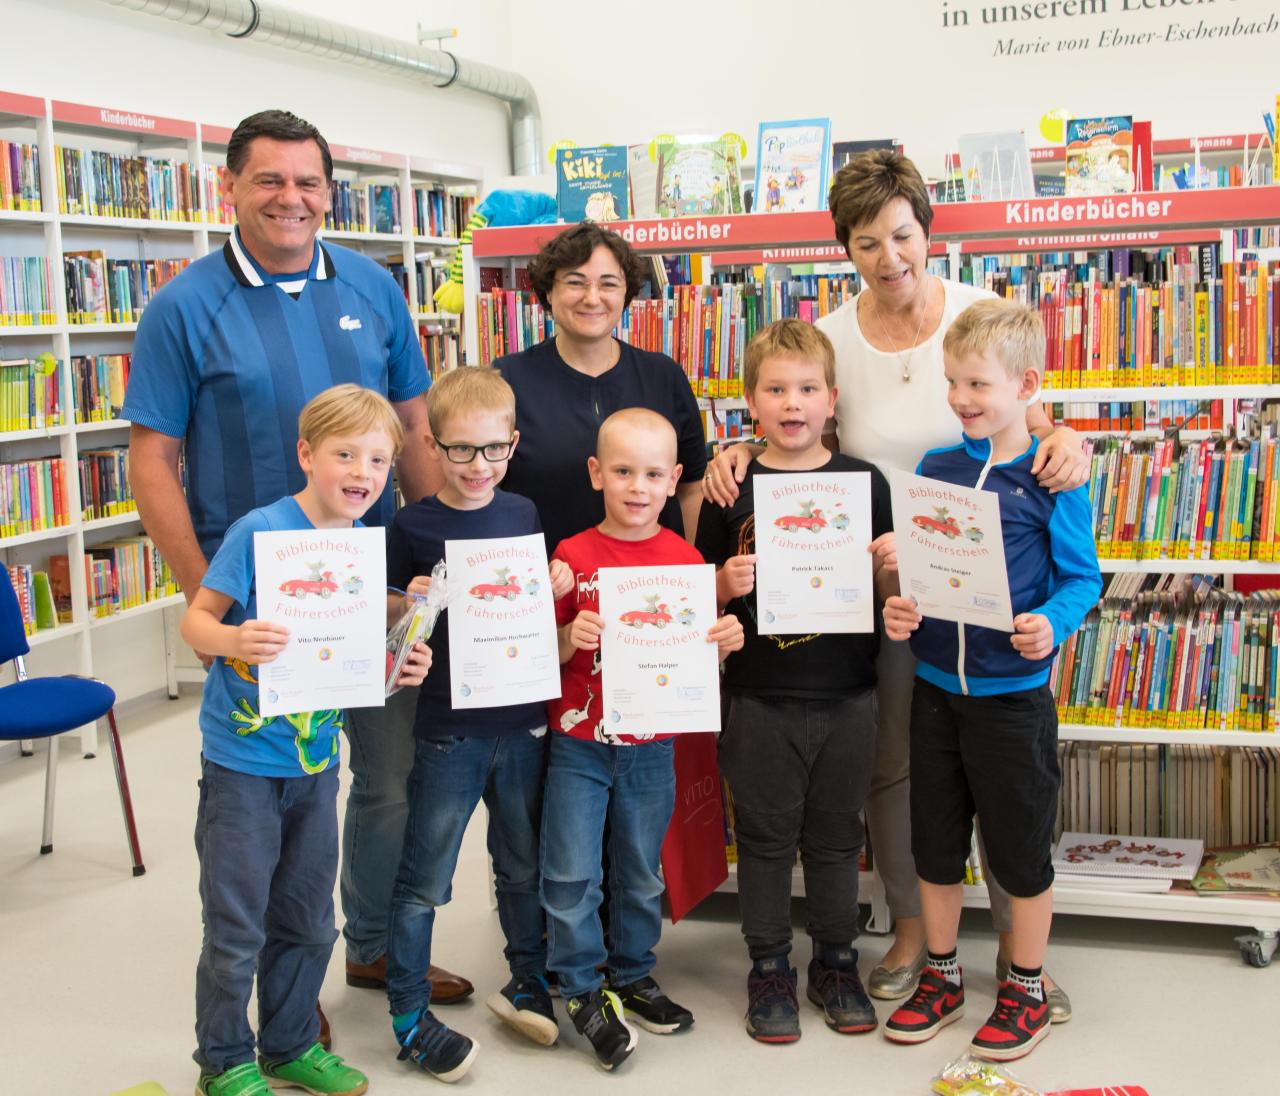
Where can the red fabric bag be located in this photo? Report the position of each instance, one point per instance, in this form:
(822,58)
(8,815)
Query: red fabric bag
(693,852)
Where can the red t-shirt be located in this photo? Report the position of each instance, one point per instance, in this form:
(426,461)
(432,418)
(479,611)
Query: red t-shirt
(579,711)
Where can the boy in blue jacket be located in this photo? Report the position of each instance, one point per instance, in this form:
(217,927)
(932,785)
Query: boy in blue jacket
(984,728)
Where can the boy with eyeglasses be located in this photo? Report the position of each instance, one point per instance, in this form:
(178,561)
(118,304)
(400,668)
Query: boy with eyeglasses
(496,754)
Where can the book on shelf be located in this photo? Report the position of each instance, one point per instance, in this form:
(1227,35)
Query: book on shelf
(98,383)
(30,394)
(642,181)
(1100,155)
(1213,794)
(35,601)
(20,176)
(33,496)
(1245,870)
(124,574)
(26,291)
(1120,416)
(1173,653)
(1082,855)
(591,184)
(441,211)
(103,290)
(363,207)
(698,177)
(792,160)
(213,187)
(104,482)
(996,166)
(60,587)
(104,184)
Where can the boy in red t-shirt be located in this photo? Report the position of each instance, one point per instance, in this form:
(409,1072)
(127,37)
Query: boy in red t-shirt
(593,776)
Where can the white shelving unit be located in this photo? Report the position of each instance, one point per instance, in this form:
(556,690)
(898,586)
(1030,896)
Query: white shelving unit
(50,233)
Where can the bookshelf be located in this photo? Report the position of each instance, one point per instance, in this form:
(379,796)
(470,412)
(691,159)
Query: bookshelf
(194,153)
(1026,225)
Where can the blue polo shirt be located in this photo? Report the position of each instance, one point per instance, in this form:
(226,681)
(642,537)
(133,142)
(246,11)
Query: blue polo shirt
(227,355)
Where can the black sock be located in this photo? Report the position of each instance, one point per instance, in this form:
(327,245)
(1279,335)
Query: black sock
(946,965)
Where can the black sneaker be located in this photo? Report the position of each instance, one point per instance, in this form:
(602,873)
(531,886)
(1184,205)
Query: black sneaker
(442,1052)
(773,1013)
(652,1009)
(935,1004)
(1018,1023)
(598,1016)
(525,1004)
(834,986)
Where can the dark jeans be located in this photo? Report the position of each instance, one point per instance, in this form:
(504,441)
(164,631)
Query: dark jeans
(798,771)
(450,777)
(268,849)
(634,788)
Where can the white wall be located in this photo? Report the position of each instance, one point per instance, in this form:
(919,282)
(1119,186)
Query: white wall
(880,69)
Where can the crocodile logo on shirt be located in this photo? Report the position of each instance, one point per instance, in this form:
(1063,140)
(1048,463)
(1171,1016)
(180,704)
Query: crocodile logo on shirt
(347,323)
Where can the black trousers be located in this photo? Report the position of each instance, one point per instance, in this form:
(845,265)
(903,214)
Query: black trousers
(798,771)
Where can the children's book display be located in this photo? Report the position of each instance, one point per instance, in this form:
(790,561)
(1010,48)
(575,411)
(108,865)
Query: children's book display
(996,166)
(1100,155)
(700,178)
(591,184)
(502,623)
(844,151)
(951,551)
(326,586)
(791,165)
(642,181)
(813,570)
(660,675)
(1245,870)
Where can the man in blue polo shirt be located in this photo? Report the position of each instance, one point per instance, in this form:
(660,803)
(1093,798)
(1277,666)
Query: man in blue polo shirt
(225,358)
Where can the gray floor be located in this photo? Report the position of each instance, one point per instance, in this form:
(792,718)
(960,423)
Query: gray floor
(98,970)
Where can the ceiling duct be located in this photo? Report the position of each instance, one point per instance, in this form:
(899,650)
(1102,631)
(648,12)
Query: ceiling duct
(278,26)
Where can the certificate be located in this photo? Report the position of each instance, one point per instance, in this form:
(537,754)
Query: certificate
(327,587)
(813,570)
(951,551)
(502,622)
(660,675)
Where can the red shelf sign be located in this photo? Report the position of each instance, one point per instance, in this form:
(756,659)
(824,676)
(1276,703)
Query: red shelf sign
(127,120)
(351,155)
(26,105)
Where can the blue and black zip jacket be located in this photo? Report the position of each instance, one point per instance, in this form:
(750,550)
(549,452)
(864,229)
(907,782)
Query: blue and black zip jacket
(1053,570)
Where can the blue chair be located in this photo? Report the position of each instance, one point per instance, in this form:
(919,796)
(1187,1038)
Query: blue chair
(43,707)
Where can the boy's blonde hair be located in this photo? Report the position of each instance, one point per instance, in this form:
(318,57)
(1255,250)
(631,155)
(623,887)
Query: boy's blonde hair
(636,418)
(349,410)
(789,339)
(466,389)
(1011,331)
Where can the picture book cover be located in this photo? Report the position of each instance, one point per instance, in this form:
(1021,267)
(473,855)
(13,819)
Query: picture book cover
(1100,155)
(698,178)
(591,183)
(791,165)
(996,166)
(1103,854)
(844,151)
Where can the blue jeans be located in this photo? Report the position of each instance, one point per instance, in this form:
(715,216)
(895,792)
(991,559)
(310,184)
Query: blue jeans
(450,776)
(380,758)
(634,787)
(268,849)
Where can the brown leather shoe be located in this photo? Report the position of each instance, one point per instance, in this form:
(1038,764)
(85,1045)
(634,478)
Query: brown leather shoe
(325,1038)
(446,988)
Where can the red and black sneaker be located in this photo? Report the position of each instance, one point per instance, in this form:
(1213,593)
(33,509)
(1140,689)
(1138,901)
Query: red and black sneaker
(1017,1024)
(935,1004)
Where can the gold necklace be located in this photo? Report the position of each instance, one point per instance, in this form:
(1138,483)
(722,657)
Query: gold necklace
(906,366)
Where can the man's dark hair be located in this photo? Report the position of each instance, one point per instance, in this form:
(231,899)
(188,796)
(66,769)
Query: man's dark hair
(573,248)
(279,125)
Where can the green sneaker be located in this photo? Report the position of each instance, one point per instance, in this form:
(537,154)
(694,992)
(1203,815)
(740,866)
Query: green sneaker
(317,1072)
(241,1080)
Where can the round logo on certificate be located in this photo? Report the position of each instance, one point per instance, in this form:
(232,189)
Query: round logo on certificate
(816,582)
(466,690)
(512,652)
(662,679)
(954,582)
(615,715)
(325,654)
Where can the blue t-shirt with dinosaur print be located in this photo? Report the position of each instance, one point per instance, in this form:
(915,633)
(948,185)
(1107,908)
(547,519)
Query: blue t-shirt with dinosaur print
(234,735)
